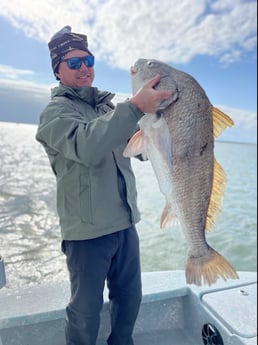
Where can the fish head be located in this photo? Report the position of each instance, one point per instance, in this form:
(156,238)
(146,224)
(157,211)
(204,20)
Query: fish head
(145,69)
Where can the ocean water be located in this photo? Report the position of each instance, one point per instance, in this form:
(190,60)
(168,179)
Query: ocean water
(30,234)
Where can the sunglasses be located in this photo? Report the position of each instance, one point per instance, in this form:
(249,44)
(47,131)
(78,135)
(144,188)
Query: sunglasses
(76,62)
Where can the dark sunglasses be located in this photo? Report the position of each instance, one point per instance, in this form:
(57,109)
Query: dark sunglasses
(76,62)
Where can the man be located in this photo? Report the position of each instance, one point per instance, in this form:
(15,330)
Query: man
(84,136)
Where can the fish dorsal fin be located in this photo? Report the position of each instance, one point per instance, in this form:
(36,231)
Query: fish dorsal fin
(220,121)
(217,192)
(135,145)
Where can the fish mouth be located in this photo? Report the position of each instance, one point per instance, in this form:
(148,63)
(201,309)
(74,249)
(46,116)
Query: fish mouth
(133,70)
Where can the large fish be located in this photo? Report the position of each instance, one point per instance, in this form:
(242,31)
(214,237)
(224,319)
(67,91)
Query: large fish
(179,142)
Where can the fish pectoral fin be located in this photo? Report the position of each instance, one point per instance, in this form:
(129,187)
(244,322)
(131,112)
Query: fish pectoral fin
(167,218)
(220,121)
(217,192)
(135,145)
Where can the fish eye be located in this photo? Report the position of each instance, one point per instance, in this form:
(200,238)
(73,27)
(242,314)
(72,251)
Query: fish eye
(149,63)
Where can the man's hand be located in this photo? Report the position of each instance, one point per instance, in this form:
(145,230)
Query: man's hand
(147,99)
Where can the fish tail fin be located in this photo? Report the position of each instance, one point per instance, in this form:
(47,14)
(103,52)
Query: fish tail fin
(135,145)
(208,269)
(220,121)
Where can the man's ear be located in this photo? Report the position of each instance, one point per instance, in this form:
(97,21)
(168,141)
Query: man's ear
(57,76)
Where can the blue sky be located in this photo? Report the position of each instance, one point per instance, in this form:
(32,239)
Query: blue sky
(213,40)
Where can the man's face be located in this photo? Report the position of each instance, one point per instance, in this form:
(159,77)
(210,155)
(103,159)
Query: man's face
(82,76)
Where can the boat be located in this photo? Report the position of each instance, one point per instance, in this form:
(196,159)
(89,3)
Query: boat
(171,313)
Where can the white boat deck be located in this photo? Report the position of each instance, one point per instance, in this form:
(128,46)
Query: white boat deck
(171,313)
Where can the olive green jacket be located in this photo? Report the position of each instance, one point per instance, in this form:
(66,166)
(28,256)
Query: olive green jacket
(84,137)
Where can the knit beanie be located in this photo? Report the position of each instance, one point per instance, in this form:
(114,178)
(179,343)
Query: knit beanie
(64,41)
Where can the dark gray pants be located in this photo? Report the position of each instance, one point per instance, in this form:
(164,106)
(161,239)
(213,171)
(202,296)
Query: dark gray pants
(114,257)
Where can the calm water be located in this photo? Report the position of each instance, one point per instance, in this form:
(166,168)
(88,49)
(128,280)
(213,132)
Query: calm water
(29,231)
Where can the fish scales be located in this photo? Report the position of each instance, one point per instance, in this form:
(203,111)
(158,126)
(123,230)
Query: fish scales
(179,142)
(192,154)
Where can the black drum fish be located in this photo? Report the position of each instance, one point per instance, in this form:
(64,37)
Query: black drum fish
(179,142)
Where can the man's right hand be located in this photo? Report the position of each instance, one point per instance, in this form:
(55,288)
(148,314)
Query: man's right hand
(147,99)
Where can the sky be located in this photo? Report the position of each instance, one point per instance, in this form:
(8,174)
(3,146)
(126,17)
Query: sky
(215,41)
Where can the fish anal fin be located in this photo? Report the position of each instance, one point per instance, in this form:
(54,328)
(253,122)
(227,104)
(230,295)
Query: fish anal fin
(216,197)
(167,218)
(220,121)
(135,145)
(208,269)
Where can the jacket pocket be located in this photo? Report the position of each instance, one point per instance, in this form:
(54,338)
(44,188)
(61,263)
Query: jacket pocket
(85,200)
(68,193)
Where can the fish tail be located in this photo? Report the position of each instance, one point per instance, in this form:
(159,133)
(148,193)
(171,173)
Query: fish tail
(208,269)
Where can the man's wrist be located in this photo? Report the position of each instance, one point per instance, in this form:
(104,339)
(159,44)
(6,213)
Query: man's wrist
(129,100)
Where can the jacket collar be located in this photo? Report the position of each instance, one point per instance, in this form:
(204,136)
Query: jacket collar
(89,94)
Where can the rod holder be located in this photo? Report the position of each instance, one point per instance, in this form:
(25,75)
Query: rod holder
(2,273)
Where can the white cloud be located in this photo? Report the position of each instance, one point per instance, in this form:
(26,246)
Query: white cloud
(18,79)
(243,118)
(122,31)
(12,73)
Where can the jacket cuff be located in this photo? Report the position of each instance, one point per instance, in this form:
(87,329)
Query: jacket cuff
(138,113)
